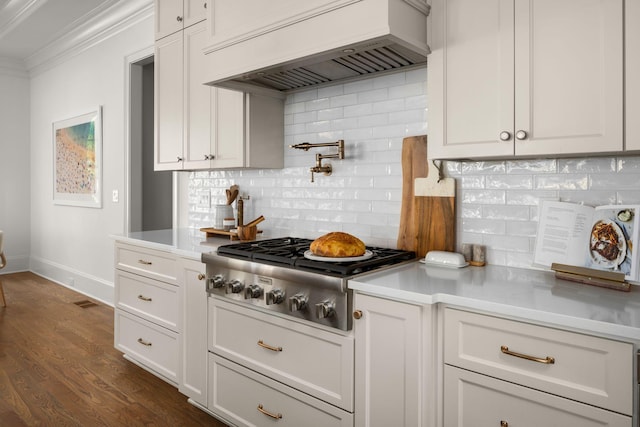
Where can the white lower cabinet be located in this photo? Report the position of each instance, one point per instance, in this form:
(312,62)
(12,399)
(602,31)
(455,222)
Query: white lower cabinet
(147,318)
(502,372)
(194,333)
(247,398)
(313,360)
(148,345)
(475,400)
(391,375)
(265,368)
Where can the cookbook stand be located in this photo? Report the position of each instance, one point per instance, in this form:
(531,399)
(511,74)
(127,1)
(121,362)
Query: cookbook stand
(590,276)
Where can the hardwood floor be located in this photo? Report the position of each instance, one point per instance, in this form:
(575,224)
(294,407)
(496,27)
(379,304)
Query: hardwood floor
(58,366)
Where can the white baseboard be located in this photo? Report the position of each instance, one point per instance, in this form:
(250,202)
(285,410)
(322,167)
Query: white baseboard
(78,281)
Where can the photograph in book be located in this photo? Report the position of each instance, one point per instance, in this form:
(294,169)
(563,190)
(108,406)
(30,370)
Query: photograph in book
(602,238)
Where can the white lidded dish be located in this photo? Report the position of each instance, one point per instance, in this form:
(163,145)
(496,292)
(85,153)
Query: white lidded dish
(444,259)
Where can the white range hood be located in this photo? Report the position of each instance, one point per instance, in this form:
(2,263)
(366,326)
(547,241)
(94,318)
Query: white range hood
(288,45)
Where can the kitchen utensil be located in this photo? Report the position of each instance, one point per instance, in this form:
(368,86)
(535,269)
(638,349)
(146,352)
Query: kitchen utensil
(222,212)
(427,216)
(247,232)
(255,221)
(232,193)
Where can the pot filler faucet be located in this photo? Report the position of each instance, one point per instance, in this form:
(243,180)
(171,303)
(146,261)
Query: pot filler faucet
(319,167)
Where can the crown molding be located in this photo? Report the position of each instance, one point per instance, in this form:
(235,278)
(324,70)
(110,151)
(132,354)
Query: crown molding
(104,25)
(13,67)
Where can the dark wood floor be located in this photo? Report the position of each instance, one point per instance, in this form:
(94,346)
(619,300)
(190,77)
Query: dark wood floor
(58,366)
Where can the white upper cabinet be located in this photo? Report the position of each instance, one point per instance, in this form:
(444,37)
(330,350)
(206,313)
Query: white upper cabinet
(174,15)
(202,127)
(632,92)
(525,77)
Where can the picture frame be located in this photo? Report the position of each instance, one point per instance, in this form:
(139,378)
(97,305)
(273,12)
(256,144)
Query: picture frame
(77,160)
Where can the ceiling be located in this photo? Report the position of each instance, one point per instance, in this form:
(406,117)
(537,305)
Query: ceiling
(28,26)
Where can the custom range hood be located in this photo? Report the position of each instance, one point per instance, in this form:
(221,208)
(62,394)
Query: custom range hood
(285,45)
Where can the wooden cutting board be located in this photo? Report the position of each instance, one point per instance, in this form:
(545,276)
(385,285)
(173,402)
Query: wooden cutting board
(427,216)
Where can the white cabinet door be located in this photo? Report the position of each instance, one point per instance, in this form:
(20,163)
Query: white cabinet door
(174,15)
(194,11)
(525,77)
(389,363)
(168,102)
(569,76)
(168,17)
(198,122)
(470,78)
(632,83)
(214,117)
(194,332)
(475,400)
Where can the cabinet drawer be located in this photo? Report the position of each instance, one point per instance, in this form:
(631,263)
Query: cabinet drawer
(476,400)
(151,345)
(309,359)
(239,394)
(148,262)
(155,301)
(589,369)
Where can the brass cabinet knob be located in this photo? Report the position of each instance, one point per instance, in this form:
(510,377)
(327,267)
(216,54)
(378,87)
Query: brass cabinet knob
(357,314)
(201,276)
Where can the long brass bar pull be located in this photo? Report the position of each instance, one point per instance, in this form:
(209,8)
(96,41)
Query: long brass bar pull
(143,262)
(267,413)
(268,347)
(547,360)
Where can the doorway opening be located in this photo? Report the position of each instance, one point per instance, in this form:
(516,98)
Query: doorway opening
(150,193)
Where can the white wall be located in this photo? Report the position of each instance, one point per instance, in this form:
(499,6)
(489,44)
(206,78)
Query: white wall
(70,244)
(14,164)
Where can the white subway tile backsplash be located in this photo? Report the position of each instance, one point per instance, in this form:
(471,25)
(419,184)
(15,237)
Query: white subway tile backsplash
(497,201)
(594,165)
(511,182)
(506,212)
(561,182)
(628,164)
(532,166)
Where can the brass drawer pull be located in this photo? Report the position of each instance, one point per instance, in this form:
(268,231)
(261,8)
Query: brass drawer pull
(143,298)
(267,413)
(504,424)
(547,360)
(268,347)
(143,342)
(143,262)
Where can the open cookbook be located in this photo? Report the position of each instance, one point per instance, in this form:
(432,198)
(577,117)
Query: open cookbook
(602,238)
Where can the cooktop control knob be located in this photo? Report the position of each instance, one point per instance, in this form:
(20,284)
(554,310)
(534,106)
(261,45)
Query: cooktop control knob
(217,281)
(325,309)
(275,296)
(253,291)
(297,302)
(234,287)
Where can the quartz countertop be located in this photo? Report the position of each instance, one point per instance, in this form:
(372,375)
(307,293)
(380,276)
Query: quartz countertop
(185,242)
(530,295)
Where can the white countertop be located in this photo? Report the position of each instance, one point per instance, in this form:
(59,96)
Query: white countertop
(185,242)
(521,293)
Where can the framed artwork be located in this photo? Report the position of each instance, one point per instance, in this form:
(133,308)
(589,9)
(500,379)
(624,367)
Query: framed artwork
(77,160)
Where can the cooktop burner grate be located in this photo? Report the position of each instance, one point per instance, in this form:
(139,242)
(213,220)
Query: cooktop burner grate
(289,252)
